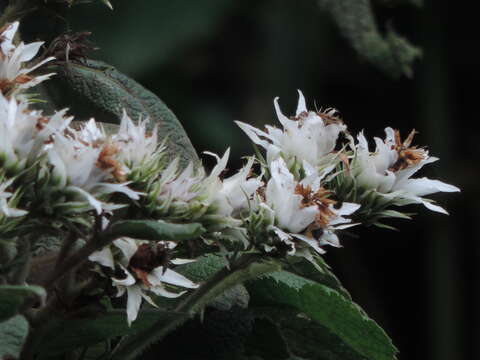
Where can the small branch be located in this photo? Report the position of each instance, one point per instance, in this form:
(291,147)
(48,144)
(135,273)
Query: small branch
(78,258)
(65,249)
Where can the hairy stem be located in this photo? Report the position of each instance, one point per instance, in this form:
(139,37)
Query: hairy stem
(78,258)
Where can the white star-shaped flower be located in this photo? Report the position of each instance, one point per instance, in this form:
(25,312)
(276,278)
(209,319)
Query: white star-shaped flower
(309,136)
(389,168)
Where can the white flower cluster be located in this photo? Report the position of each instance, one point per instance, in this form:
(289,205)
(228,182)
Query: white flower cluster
(13,75)
(304,159)
(309,186)
(78,171)
(389,168)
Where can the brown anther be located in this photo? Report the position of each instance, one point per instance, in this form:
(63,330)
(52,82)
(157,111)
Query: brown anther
(22,79)
(41,122)
(319,199)
(261,192)
(407,155)
(106,160)
(330,116)
(5,85)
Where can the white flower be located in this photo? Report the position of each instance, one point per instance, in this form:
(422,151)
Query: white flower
(12,74)
(24,132)
(181,187)
(389,168)
(193,184)
(89,169)
(137,143)
(5,208)
(310,136)
(234,193)
(303,210)
(141,271)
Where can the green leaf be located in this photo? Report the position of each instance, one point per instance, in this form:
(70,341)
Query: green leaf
(326,307)
(303,337)
(13,333)
(84,332)
(320,274)
(12,297)
(155,230)
(103,91)
(203,268)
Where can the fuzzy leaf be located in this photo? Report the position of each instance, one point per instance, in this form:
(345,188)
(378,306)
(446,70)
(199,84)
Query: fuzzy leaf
(322,275)
(12,336)
(13,296)
(303,338)
(155,230)
(325,307)
(84,332)
(203,268)
(108,92)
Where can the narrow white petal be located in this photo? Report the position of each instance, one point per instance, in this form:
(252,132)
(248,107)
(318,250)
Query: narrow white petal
(103,257)
(96,204)
(254,134)
(330,238)
(134,301)
(301,107)
(310,241)
(425,186)
(434,207)
(149,299)
(182,261)
(171,277)
(128,247)
(161,291)
(347,208)
(221,165)
(285,121)
(108,188)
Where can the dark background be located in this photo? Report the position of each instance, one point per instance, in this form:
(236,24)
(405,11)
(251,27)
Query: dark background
(215,61)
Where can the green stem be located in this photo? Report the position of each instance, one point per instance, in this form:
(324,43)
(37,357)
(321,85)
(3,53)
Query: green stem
(247,267)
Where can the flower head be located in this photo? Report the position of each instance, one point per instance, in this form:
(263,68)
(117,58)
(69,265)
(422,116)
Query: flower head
(309,136)
(303,210)
(13,75)
(5,207)
(24,132)
(89,163)
(140,266)
(389,168)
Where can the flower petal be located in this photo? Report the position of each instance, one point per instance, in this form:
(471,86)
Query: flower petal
(171,277)
(134,300)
